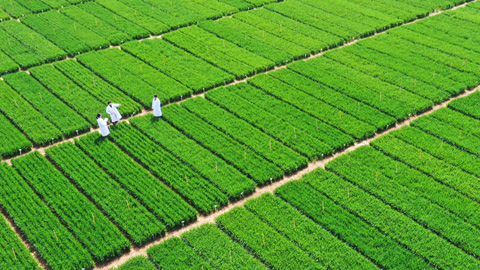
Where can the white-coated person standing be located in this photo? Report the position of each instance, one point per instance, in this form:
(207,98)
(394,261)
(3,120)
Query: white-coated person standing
(103,125)
(156,106)
(113,111)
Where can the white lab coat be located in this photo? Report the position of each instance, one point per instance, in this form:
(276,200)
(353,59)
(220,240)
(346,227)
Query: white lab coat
(103,124)
(156,107)
(114,113)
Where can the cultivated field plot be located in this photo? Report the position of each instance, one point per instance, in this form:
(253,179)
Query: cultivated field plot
(255,94)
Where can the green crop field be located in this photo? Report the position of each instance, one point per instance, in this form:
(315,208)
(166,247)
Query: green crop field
(296,134)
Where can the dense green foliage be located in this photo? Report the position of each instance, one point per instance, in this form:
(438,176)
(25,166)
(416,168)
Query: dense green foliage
(61,115)
(219,250)
(228,179)
(37,128)
(157,197)
(274,249)
(311,237)
(194,188)
(176,254)
(69,92)
(287,133)
(35,221)
(240,130)
(13,254)
(11,139)
(241,156)
(98,235)
(122,208)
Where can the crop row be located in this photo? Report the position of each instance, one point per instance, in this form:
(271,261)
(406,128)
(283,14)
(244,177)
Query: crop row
(323,111)
(399,65)
(418,182)
(17,51)
(386,97)
(388,75)
(246,134)
(457,119)
(228,179)
(14,8)
(176,254)
(69,92)
(97,87)
(154,26)
(467,106)
(241,156)
(133,30)
(34,125)
(11,139)
(280,120)
(224,54)
(305,233)
(219,250)
(354,107)
(398,50)
(57,112)
(4,15)
(7,65)
(418,216)
(314,40)
(13,253)
(168,89)
(137,263)
(251,44)
(47,236)
(256,40)
(273,248)
(452,55)
(379,247)
(64,32)
(157,197)
(439,148)
(466,141)
(193,188)
(33,40)
(465,47)
(192,71)
(354,14)
(129,215)
(451,176)
(96,25)
(91,228)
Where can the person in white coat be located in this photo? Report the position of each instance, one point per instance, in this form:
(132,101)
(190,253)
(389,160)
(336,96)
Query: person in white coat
(156,106)
(113,111)
(103,125)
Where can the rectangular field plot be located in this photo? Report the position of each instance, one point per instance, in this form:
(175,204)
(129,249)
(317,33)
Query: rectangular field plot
(192,71)
(221,53)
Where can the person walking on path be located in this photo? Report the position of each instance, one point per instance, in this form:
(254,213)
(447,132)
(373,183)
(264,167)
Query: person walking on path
(103,125)
(156,106)
(113,111)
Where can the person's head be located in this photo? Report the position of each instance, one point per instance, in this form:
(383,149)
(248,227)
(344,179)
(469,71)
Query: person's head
(155,96)
(109,103)
(99,115)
